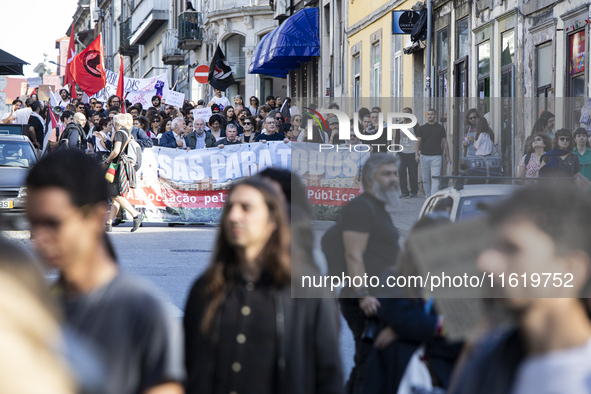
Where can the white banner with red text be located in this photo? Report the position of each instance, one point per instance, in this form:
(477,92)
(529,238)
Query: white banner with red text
(175,185)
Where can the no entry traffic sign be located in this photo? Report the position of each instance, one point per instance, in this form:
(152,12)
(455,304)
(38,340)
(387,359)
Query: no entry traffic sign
(202,73)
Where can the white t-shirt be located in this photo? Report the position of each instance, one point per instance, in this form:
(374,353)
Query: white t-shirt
(21,116)
(221,101)
(483,145)
(180,138)
(6,115)
(561,372)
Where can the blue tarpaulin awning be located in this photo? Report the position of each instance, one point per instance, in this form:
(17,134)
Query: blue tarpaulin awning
(284,48)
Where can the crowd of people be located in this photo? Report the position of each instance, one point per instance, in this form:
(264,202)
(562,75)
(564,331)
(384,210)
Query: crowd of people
(105,331)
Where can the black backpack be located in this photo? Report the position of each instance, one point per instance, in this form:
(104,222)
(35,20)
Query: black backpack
(333,247)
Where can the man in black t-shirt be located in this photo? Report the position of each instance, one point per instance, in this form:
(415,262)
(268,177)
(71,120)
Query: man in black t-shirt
(36,125)
(270,133)
(431,140)
(371,246)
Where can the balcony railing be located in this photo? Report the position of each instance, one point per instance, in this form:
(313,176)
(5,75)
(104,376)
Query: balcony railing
(189,34)
(125,46)
(171,54)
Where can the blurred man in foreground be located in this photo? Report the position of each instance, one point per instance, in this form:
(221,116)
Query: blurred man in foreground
(538,230)
(132,330)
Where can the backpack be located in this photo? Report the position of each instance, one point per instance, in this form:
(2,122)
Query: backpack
(134,152)
(64,142)
(333,247)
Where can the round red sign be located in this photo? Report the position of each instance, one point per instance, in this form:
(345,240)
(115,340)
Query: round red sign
(202,73)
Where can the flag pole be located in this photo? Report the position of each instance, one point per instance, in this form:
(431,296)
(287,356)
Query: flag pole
(205,93)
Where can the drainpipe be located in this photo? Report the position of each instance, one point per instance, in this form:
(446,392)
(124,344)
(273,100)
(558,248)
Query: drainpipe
(428,66)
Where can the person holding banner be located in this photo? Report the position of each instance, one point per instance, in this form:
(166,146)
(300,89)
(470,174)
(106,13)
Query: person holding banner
(231,137)
(250,133)
(175,138)
(199,138)
(270,133)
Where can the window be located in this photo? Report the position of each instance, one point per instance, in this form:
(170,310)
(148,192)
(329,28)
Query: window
(544,77)
(462,34)
(442,52)
(357,79)
(376,54)
(507,48)
(397,70)
(484,70)
(576,80)
(442,46)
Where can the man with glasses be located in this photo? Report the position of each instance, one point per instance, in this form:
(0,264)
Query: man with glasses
(270,133)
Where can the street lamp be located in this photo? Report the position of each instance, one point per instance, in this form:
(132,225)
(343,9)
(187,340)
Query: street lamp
(52,62)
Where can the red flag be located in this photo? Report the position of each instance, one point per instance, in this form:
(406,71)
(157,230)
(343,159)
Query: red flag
(120,86)
(68,77)
(88,68)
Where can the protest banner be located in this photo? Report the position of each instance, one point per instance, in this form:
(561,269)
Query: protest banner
(144,98)
(158,83)
(203,113)
(179,186)
(173,98)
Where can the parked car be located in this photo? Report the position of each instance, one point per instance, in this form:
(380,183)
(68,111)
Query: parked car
(17,157)
(467,201)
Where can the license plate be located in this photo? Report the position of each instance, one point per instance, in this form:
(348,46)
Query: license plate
(6,205)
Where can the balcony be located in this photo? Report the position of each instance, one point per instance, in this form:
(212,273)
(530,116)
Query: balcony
(189,36)
(146,18)
(125,47)
(171,54)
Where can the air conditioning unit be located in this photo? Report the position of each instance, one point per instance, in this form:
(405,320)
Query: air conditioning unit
(98,14)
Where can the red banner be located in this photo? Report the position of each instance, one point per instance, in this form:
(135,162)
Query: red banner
(174,198)
(331,195)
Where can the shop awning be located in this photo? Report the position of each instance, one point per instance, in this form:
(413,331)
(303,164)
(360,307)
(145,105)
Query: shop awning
(10,65)
(283,49)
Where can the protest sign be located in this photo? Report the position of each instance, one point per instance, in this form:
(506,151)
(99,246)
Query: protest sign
(34,82)
(158,83)
(43,92)
(173,98)
(203,113)
(144,98)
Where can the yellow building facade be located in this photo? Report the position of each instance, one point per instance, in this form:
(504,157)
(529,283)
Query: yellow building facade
(378,67)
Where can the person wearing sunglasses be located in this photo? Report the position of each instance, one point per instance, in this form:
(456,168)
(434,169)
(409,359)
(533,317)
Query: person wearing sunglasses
(530,163)
(249,133)
(560,161)
(470,132)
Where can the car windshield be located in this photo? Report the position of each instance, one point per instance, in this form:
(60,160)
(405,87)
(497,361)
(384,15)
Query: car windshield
(16,154)
(472,207)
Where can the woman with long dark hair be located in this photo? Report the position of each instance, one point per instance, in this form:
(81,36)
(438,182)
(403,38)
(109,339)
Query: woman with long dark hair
(470,120)
(230,116)
(484,138)
(243,330)
(254,106)
(560,161)
(165,126)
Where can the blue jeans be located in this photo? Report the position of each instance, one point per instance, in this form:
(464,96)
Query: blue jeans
(431,166)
